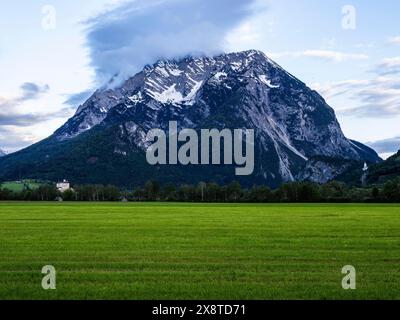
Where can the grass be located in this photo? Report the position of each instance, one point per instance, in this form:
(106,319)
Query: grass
(20,186)
(196,251)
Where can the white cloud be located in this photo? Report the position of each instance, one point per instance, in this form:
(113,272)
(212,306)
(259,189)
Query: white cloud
(363,45)
(245,35)
(329,43)
(388,66)
(14,138)
(378,97)
(123,40)
(394,40)
(335,56)
(334,89)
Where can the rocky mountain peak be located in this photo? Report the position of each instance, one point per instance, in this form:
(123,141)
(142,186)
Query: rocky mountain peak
(174,82)
(293,124)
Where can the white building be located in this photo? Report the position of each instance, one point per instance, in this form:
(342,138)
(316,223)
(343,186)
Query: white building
(63,186)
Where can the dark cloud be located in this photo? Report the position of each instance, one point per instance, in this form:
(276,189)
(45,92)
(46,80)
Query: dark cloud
(391,145)
(125,39)
(29,91)
(15,133)
(32,91)
(29,119)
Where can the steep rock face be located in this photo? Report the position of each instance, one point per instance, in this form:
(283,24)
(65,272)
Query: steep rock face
(324,169)
(292,123)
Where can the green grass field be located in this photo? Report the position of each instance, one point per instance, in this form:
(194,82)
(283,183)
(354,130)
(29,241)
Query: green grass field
(20,186)
(184,251)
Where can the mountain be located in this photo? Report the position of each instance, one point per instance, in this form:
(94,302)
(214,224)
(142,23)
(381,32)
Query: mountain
(2,153)
(387,170)
(373,174)
(104,142)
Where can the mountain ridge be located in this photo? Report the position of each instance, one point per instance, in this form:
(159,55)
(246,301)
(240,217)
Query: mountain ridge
(293,123)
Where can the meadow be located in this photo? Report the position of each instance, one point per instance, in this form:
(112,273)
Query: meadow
(20,186)
(142,251)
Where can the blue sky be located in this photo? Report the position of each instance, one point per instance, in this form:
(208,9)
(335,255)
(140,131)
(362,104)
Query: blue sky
(53,51)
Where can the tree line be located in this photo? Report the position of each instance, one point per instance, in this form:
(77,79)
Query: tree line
(212,192)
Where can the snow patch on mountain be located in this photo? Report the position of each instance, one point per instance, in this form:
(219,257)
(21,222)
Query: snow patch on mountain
(190,98)
(173,96)
(219,76)
(170,95)
(263,79)
(136,98)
